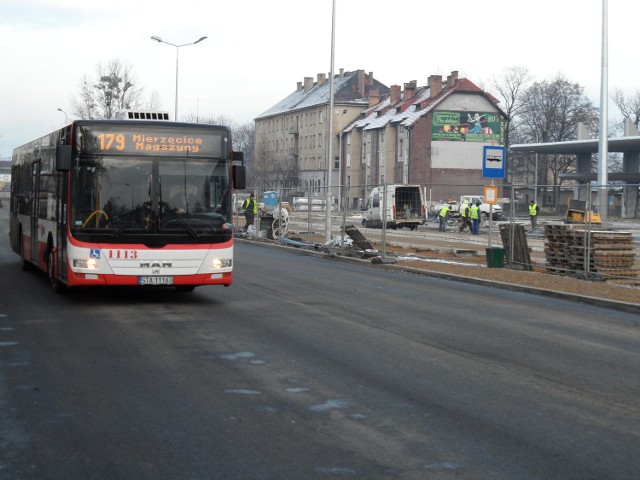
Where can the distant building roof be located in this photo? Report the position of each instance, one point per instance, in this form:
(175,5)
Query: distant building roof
(407,111)
(349,87)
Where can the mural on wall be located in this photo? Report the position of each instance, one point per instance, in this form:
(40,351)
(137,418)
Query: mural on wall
(467,127)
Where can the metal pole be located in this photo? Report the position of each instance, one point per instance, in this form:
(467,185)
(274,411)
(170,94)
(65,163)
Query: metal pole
(327,233)
(604,100)
(155,38)
(175,110)
(384,220)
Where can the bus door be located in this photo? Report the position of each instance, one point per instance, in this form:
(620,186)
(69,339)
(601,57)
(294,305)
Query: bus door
(35,206)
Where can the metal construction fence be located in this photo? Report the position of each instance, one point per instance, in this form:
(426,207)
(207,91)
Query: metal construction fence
(571,237)
(622,200)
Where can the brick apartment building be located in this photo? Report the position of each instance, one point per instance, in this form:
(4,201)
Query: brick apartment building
(431,135)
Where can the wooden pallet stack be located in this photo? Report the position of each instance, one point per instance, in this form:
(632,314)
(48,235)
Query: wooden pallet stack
(570,249)
(557,248)
(609,253)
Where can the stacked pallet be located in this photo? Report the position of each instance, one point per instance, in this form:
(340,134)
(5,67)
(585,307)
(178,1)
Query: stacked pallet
(557,248)
(573,249)
(609,253)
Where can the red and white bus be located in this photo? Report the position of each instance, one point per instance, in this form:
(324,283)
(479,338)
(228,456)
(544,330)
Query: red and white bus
(143,201)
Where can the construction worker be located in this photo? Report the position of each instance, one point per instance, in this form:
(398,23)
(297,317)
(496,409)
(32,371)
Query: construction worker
(465,219)
(443,216)
(250,207)
(474,213)
(533,214)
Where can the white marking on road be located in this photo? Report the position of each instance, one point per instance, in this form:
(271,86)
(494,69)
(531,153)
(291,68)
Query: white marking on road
(237,356)
(329,405)
(8,344)
(242,391)
(297,389)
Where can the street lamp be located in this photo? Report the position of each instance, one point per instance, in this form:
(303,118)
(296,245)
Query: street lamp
(327,226)
(66,118)
(159,40)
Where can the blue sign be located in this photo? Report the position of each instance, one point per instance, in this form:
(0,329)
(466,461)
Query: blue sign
(493,161)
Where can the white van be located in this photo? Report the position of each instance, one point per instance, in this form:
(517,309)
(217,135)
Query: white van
(406,207)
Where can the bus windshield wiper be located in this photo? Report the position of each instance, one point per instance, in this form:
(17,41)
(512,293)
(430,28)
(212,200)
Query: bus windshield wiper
(131,217)
(180,220)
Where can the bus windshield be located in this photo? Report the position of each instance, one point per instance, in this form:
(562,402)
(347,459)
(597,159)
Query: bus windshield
(116,197)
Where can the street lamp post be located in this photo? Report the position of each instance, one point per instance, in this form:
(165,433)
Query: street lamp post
(159,40)
(327,226)
(66,118)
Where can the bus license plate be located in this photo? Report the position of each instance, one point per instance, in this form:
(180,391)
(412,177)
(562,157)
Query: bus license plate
(147,280)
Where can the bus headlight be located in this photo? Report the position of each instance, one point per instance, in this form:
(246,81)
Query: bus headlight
(89,263)
(221,263)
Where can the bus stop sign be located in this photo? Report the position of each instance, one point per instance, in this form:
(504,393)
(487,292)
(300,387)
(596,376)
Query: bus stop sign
(493,161)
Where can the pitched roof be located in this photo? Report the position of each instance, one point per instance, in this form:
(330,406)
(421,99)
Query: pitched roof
(409,111)
(346,90)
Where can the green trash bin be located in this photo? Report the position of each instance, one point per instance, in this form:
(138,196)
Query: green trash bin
(495,257)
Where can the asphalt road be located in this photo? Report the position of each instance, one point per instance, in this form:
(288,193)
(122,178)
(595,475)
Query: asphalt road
(313,368)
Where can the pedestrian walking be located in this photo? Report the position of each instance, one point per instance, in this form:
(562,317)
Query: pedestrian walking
(250,207)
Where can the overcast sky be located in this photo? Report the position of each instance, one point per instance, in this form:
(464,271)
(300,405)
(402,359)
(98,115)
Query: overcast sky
(257,50)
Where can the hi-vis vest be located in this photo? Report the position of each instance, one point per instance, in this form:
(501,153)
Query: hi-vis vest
(444,211)
(247,205)
(464,210)
(533,209)
(474,212)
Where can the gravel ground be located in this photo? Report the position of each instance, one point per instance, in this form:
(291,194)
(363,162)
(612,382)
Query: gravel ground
(475,267)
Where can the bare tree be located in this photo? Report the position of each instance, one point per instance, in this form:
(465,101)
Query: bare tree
(629,105)
(192,117)
(550,112)
(114,88)
(509,87)
(84,106)
(269,172)
(244,138)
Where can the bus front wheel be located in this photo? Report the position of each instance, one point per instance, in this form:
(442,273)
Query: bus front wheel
(24,263)
(56,285)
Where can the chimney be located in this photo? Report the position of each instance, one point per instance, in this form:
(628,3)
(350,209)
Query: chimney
(374,97)
(361,83)
(342,72)
(299,87)
(452,79)
(435,85)
(308,84)
(395,94)
(409,89)
(322,78)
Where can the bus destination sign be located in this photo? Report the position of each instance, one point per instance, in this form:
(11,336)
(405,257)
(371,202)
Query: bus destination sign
(153,142)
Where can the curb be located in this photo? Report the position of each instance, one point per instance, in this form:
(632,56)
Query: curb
(600,302)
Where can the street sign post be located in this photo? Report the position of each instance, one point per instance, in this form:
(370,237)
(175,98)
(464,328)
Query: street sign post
(493,161)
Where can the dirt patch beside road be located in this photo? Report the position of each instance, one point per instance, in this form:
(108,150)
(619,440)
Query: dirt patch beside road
(475,266)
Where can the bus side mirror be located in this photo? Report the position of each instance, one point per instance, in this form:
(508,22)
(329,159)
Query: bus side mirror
(63,158)
(237,156)
(239,174)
